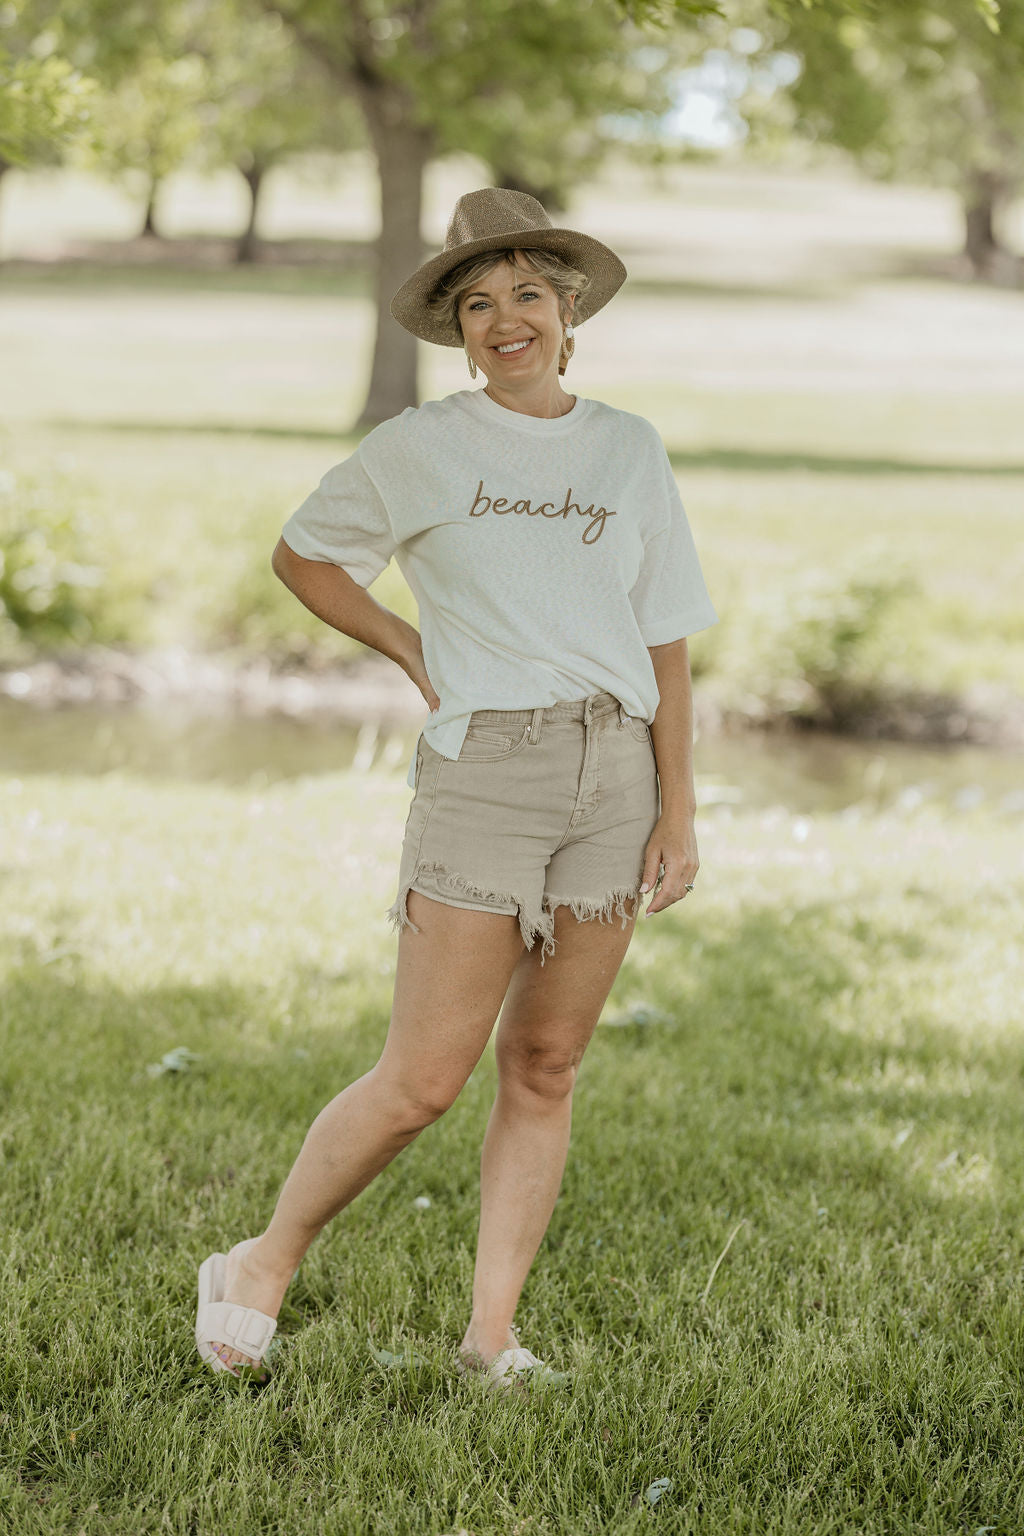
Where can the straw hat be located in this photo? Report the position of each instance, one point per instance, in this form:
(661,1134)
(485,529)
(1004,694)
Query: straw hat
(494,219)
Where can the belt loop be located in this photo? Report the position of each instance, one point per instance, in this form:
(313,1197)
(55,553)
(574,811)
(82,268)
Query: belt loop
(534,726)
(623,714)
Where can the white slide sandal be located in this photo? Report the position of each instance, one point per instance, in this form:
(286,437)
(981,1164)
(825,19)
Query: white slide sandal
(511,1370)
(241,1328)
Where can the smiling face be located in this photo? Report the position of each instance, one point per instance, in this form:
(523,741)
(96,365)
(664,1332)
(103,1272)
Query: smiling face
(511,325)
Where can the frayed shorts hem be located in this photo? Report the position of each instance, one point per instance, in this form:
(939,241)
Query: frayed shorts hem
(439,883)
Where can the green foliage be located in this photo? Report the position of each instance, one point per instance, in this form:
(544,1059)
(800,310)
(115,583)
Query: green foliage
(218,85)
(127,89)
(151,122)
(45,101)
(928,91)
(816,648)
(664,12)
(265,96)
(833,626)
(257,614)
(528,85)
(50,590)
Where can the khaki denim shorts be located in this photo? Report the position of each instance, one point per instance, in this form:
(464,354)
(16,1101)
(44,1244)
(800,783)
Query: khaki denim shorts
(542,808)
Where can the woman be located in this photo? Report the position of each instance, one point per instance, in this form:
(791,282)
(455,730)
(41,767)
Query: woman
(543,537)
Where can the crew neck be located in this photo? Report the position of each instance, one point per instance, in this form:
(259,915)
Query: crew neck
(489,410)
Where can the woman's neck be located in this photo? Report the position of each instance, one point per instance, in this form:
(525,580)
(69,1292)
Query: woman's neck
(552,403)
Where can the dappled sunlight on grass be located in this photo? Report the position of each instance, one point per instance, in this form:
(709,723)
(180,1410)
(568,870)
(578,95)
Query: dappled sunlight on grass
(788,1237)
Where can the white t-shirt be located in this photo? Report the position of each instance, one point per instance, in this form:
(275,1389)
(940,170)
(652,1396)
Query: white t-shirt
(545,555)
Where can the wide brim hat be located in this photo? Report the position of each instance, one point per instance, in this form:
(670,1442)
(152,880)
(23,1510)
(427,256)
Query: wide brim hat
(496,219)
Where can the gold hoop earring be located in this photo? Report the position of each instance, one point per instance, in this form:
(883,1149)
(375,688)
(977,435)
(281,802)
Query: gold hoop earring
(472,366)
(568,348)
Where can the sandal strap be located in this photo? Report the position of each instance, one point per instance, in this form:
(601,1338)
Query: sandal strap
(511,1361)
(241,1328)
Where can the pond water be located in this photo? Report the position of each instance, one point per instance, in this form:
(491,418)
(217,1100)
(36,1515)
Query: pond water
(806,771)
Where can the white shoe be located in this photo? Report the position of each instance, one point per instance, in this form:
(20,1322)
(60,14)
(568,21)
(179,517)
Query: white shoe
(241,1328)
(513,1369)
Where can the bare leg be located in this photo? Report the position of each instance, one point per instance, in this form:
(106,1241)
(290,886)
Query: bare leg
(449,984)
(546,1023)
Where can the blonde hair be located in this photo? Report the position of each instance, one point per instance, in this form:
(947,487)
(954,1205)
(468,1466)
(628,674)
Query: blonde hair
(565,280)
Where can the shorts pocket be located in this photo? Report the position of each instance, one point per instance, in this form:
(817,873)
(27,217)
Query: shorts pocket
(638,728)
(492,743)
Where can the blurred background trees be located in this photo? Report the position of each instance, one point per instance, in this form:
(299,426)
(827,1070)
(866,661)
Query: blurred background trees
(539,90)
(45,102)
(930,92)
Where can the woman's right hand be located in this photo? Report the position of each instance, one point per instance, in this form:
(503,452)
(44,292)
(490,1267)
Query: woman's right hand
(416,669)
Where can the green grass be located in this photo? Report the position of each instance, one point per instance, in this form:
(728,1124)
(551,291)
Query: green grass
(828,1067)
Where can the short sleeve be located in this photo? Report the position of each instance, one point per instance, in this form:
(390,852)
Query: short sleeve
(669,597)
(344,522)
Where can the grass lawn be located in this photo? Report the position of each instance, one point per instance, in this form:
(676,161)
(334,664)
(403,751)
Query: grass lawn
(818,1055)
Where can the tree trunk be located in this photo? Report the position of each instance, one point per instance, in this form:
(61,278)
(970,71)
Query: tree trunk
(982,195)
(403,149)
(248,245)
(149,222)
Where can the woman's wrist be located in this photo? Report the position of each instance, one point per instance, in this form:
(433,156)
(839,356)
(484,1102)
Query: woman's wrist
(402,643)
(679,805)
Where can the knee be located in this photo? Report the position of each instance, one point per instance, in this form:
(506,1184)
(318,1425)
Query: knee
(411,1107)
(546,1073)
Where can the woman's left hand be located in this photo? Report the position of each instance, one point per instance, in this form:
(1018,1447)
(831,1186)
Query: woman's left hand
(673,843)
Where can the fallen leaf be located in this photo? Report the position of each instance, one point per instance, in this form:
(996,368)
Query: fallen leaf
(178,1060)
(395,1362)
(658,1489)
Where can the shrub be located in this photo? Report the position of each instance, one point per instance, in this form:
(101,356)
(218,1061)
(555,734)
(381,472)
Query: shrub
(256,613)
(835,632)
(826,647)
(49,589)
